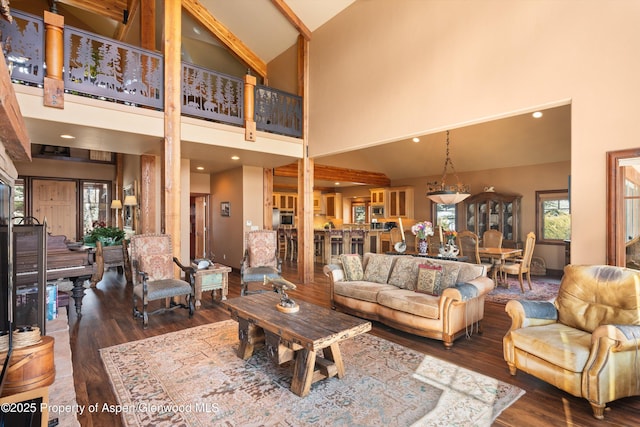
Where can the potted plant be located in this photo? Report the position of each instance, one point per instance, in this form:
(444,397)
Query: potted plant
(108,236)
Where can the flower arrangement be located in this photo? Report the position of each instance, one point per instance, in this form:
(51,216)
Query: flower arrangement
(109,236)
(450,236)
(422,229)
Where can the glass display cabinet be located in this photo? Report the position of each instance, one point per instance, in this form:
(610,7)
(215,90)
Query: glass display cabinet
(494,211)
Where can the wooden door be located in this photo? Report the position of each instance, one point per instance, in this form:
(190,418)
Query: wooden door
(57,202)
(200,230)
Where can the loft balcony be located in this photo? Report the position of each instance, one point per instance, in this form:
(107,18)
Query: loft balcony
(112,71)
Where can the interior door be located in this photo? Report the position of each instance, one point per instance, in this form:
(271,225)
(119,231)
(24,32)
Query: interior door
(57,202)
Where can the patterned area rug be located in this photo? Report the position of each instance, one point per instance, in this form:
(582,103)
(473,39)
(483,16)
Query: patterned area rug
(544,289)
(194,378)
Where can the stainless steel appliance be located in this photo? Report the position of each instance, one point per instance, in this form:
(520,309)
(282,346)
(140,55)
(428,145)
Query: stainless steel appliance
(287,218)
(276,218)
(377,211)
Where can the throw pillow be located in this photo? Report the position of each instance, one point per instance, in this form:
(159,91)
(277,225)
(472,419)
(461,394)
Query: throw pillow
(429,279)
(378,268)
(450,272)
(405,273)
(352,267)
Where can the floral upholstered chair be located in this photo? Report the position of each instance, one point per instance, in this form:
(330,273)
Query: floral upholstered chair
(154,277)
(261,259)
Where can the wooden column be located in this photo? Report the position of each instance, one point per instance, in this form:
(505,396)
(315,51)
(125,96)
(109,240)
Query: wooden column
(147,199)
(54,50)
(148,24)
(249,101)
(306,255)
(118,194)
(172,146)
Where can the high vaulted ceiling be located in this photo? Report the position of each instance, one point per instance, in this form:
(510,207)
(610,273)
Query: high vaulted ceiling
(269,27)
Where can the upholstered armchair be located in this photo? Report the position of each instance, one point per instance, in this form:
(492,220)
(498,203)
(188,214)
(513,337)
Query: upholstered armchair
(586,342)
(261,259)
(154,277)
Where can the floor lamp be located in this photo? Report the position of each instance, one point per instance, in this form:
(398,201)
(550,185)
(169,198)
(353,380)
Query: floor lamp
(117,205)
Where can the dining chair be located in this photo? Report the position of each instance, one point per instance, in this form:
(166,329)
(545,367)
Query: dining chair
(522,265)
(468,243)
(491,239)
(433,242)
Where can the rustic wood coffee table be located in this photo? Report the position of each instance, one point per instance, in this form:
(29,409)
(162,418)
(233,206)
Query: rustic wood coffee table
(289,336)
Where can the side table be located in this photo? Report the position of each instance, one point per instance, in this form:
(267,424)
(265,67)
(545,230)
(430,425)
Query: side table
(213,278)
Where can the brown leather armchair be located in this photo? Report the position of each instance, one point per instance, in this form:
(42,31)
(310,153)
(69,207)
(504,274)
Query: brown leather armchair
(586,342)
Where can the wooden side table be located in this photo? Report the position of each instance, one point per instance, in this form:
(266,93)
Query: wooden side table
(213,278)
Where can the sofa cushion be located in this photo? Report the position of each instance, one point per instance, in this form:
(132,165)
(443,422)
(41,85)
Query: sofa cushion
(352,266)
(407,301)
(365,291)
(450,272)
(429,279)
(378,268)
(556,343)
(405,273)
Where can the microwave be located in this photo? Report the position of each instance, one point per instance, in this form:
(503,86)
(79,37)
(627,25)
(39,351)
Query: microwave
(287,218)
(377,210)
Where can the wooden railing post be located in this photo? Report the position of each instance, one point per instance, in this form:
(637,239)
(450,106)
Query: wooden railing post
(249,101)
(54,54)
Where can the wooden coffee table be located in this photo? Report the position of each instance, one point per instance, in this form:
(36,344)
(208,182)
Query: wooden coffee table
(295,336)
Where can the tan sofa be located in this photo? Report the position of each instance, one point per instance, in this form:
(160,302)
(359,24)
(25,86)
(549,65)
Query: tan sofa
(586,342)
(386,292)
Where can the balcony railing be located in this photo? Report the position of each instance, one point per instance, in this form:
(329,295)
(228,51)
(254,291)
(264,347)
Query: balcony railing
(106,69)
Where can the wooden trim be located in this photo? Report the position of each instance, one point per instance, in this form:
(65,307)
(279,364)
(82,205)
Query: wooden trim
(13,130)
(147,198)
(222,33)
(267,190)
(332,173)
(147,23)
(113,9)
(615,211)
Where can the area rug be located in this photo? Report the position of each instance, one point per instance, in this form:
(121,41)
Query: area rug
(194,377)
(544,289)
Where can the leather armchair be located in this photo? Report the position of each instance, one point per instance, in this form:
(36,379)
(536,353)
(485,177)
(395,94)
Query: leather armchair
(586,342)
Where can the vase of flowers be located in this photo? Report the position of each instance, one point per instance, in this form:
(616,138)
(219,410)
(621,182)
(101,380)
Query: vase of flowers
(450,237)
(422,230)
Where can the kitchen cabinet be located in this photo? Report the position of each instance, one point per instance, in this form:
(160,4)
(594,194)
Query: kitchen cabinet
(286,201)
(333,205)
(494,211)
(378,196)
(318,203)
(400,202)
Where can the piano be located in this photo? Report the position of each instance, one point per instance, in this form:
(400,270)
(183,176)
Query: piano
(73,262)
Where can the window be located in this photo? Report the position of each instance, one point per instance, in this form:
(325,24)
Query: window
(18,202)
(553,216)
(444,216)
(96,204)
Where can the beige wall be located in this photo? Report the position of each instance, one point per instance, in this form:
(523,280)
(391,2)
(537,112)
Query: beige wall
(382,70)
(226,233)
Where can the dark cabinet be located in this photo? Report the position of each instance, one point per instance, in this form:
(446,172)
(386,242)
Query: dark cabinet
(494,211)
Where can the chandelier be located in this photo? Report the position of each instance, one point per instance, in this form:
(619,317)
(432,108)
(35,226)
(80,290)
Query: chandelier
(447,194)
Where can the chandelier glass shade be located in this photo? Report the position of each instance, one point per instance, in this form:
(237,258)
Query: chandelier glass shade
(447,194)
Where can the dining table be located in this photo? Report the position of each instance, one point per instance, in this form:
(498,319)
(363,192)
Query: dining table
(498,257)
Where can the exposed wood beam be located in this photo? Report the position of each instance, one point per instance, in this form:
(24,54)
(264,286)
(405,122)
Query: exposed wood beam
(292,18)
(331,173)
(132,8)
(113,9)
(222,33)
(13,131)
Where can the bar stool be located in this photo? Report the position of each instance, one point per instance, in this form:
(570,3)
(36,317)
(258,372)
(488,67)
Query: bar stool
(282,243)
(357,241)
(318,246)
(336,241)
(293,244)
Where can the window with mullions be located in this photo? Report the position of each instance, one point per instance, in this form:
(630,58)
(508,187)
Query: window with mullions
(553,216)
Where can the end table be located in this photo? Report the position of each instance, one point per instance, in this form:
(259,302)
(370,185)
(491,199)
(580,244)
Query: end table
(213,278)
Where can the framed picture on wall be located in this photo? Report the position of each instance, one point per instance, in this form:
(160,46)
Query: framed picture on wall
(225,208)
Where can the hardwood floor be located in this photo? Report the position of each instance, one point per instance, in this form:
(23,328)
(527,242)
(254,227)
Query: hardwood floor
(107,320)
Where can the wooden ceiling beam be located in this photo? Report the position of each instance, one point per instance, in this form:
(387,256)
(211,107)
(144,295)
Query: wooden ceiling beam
(113,9)
(332,173)
(122,29)
(222,33)
(286,11)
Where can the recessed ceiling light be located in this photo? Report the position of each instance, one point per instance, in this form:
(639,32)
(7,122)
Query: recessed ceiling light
(235,158)
(416,139)
(196,30)
(200,168)
(337,183)
(67,136)
(537,114)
